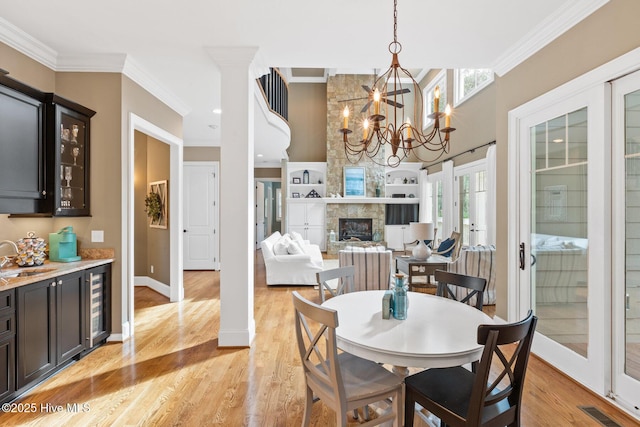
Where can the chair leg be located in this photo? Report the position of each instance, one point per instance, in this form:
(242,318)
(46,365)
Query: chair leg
(355,414)
(306,416)
(409,409)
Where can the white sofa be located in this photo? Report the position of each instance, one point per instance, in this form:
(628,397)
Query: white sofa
(291,260)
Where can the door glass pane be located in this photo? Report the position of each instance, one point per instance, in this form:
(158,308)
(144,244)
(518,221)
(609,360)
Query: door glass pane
(439,210)
(632,234)
(480,217)
(559,241)
(463,213)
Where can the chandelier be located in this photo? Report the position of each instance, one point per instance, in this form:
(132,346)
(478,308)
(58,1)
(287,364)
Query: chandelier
(387,125)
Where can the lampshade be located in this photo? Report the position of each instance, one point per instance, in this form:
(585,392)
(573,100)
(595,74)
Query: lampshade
(421,230)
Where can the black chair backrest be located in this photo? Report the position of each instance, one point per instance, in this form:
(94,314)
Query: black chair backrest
(475,285)
(505,388)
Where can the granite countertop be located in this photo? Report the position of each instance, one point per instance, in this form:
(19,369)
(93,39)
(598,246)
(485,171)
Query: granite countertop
(15,277)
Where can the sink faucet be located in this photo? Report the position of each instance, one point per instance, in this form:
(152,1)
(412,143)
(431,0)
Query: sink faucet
(5,259)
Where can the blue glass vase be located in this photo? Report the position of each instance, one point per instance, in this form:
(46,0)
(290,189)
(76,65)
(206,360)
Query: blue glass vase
(400,299)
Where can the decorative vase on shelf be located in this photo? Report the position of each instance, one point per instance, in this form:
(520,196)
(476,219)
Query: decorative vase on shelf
(377,191)
(305,177)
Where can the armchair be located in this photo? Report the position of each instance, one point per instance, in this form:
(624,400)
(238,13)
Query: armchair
(372,266)
(450,247)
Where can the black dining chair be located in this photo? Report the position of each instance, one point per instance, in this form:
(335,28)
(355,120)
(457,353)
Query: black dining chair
(461,398)
(474,286)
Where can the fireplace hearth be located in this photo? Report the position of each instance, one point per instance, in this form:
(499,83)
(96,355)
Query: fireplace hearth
(355,229)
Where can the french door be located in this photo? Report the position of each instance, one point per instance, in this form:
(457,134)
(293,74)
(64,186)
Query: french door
(562,214)
(471,202)
(626,241)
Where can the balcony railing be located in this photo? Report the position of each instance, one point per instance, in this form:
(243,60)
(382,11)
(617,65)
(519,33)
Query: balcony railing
(276,93)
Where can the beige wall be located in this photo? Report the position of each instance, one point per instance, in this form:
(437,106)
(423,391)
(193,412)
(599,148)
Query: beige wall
(201,154)
(267,173)
(308,122)
(158,239)
(141,223)
(606,34)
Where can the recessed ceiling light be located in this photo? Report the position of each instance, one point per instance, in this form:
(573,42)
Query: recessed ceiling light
(217,111)
(259,155)
(559,140)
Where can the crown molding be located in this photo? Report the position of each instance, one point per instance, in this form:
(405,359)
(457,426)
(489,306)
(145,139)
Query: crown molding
(92,63)
(24,43)
(19,40)
(568,15)
(136,73)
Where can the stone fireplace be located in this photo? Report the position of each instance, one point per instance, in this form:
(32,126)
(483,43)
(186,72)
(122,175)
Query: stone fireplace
(339,87)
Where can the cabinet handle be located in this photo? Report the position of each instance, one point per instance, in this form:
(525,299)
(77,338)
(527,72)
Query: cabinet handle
(44,192)
(60,282)
(53,284)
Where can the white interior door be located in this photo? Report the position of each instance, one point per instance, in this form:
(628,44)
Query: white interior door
(564,275)
(201,239)
(260,213)
(626,241)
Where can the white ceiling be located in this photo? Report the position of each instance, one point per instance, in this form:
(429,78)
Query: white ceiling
(162,43)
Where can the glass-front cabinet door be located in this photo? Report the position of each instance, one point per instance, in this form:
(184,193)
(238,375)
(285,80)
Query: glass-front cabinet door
(69,126)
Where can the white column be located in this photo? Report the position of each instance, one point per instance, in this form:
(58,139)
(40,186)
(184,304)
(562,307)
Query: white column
(237,325)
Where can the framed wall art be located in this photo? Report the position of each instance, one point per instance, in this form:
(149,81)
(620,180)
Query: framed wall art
(354,181)
(156,204)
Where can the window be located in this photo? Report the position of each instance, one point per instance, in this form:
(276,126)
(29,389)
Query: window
(470,81)
(439,81)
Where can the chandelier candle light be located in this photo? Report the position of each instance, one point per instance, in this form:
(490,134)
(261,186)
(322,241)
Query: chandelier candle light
(421,231)
(399,133)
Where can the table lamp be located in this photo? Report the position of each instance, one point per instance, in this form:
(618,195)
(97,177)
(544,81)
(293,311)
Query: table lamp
(421,231)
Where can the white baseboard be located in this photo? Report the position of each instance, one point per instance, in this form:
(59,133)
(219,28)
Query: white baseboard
(236,337)
(157,286)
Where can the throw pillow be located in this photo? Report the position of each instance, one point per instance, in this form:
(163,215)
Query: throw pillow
(294,248)
(280,247)
(446,245)
(296,237)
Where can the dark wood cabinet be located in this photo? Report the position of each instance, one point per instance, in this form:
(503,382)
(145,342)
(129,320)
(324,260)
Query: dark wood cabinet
(44,167)
(70,315)
(22,163)
(7,344)
(50,325)
(36,331)
(68,153)
(43,325)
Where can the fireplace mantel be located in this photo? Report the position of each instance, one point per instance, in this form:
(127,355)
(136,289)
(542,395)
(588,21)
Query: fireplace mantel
(383,200)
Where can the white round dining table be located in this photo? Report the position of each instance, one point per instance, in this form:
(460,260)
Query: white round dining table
(438,332)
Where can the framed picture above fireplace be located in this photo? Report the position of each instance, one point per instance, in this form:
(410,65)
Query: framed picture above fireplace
(354,181)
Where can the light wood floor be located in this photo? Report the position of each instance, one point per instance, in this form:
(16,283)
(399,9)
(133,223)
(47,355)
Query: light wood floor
(173,373)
